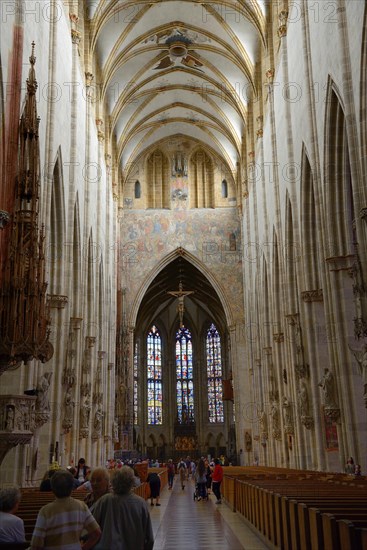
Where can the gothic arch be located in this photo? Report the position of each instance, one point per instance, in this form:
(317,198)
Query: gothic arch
(157,178)
(201,171)
(337,172)
(309,226)
(76,261)
(276,282)
(291,257)
(55,249)
(196,263)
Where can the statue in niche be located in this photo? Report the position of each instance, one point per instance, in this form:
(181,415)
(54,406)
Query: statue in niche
(263,422)
(42,388)
(115,430)
(287,415)
(327,383)
(85,412)
(97,424)
(248,442)
(9,419)
(361,358)
(303,402)
(69,409)
(275,421)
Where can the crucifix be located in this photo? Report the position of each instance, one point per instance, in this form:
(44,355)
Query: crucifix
(180,294)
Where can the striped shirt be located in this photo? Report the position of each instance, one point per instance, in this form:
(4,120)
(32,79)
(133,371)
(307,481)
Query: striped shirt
(60,523)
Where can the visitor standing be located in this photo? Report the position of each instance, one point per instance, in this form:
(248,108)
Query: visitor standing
(171,473)
(217,477)
(123,516)
(182,470)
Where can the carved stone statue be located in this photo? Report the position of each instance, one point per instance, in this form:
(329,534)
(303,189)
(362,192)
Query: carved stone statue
(42,388)
(248,442)
(361,358)
(303,402)
(287,416)
(263,423)
(84,413)
(68,409)
(328,386)
(9,419)
(97,424)
(275,421)
(115,431)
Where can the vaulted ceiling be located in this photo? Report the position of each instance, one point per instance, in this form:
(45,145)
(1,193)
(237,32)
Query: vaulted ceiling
(177,68)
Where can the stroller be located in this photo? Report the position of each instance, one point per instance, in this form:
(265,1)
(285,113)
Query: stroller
(197,495)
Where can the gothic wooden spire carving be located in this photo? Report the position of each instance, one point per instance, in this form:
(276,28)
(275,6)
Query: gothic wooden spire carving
(24,313)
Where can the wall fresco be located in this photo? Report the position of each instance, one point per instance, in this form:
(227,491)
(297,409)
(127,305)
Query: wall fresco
(213,236)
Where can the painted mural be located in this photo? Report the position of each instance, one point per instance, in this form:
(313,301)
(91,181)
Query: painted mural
(213,236)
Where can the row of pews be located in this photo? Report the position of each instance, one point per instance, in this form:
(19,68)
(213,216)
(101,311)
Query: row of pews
(33,500)
(299,509)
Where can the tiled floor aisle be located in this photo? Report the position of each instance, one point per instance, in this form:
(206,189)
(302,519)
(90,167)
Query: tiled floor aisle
(181,523)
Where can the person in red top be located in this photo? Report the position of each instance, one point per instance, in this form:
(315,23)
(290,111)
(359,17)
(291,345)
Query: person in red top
(217,477)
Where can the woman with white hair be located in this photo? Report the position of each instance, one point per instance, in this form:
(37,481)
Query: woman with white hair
(11,527)
(123,516)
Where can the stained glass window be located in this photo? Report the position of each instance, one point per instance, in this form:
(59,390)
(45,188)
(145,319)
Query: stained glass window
(184,377)
(214,375)
(136,384)
(154,376)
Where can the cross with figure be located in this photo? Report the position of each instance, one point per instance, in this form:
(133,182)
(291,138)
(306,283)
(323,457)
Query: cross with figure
(180,294)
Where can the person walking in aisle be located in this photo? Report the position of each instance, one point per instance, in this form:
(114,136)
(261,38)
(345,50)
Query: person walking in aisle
(200,479)
(217,477)
(171,473)
(182,469)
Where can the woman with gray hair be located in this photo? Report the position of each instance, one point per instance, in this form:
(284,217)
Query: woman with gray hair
(11,527)
(123,516)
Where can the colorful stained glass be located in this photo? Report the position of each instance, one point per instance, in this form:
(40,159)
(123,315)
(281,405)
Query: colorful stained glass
(214,375)
(154,376)
(184,376)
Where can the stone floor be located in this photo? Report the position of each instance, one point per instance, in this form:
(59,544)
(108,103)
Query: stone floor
(182,523)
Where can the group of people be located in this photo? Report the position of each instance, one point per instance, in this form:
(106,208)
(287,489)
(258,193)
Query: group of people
(351,468)
(110,515)
(207,476)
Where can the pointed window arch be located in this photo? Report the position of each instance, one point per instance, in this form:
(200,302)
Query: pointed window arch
(224,189)
(184,376)
(214,375)
(154,376)
(137,190)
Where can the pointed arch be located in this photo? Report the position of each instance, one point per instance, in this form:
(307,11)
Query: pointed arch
(196,263)
(214,374)
(154,377)
(224,189)
(57,227)
(185,397)
(76,260)
(90,293)
(309,226)
(276,282)
(157,171)
(291,257)
(137,190)
(338,188)
(101,300)
(201,181)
